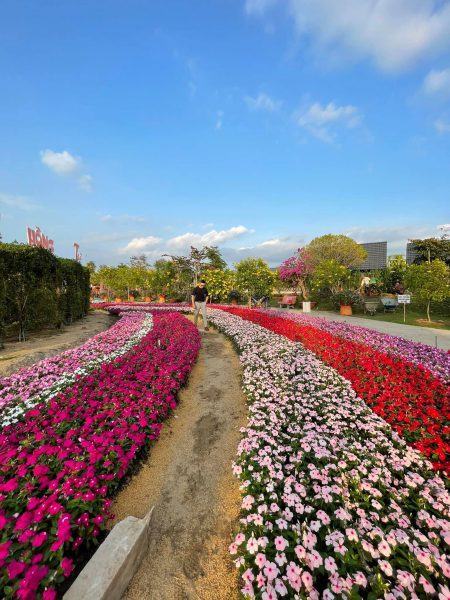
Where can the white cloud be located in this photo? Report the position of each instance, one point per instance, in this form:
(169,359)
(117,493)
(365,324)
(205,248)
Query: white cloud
(61,163)
(394,34)
(211,238)
(19,202)
(273,250)
(437,82)
(65,164)
(396,237)
(219,120)
(140,244)
(258,7)
(262,102)
(85,182)
(321,121)
(442,126)
(122,219)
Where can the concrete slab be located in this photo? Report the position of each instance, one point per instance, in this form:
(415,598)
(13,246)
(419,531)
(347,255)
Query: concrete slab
(107,575)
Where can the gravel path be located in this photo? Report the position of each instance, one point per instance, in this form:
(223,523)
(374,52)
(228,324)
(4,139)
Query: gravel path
(187,477)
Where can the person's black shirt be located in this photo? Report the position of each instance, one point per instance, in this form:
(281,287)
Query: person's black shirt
(200,294)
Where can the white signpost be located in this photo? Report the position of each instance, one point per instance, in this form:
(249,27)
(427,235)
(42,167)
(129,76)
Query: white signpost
(404,299)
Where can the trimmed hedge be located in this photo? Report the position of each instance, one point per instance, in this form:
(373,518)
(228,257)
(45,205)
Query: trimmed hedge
(38,289)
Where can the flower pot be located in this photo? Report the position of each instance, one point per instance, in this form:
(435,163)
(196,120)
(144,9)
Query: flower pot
(161,299)
(118,300)
(346,310)
(147,299)
(234,301)
(306,306)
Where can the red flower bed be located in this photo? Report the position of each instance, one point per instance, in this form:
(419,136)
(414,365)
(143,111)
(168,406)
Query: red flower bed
(60,466)
(410,398)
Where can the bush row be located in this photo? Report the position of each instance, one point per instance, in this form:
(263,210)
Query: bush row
(38,289)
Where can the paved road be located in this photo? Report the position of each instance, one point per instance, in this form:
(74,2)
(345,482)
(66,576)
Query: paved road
(426,335)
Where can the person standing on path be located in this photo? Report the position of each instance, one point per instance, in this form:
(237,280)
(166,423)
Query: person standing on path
(199,299)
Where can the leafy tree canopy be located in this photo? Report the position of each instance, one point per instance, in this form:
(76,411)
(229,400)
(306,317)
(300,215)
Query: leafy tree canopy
(339,248)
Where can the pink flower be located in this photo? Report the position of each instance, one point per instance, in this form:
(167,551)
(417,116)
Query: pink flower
(281,543)
(4,549)
(39,539)
(252,545)
(67,566)
(260,560)
(16,568)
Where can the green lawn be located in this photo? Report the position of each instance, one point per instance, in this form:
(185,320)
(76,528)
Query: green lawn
(412,318)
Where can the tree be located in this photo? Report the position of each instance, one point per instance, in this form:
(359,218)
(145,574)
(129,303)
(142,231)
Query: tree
(295,270)
(429,282)
(165,278)
(219,283)
(90,266)
(254,278)
(198,260)
(139,262)
(330,276)
(339,248)
(431,249)
(395,272)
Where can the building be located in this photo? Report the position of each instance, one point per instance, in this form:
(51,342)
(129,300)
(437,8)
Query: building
(411,253)
(376,256)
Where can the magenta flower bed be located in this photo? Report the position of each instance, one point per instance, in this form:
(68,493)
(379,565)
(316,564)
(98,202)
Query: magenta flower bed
(437,361)
(63,462)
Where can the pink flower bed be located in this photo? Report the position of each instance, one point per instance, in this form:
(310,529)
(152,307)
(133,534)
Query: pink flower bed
(61,464)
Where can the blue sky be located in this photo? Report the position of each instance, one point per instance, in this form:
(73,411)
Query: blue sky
(136,126)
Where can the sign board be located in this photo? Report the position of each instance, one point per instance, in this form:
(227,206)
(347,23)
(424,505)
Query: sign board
(404,299)
(35,237)
(77,251)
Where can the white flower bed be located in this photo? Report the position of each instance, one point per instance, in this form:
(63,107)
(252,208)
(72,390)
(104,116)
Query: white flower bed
(335,503)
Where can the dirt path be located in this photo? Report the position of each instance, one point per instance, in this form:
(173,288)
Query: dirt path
(44,344)
(188,479)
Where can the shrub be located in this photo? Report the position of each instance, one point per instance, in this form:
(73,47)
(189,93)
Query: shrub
(39,289)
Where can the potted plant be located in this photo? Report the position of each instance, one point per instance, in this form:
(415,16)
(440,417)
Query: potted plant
(345,299)
(234,297)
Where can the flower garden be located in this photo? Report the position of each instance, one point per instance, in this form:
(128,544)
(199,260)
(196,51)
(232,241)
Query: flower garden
(73,426)
(342,464)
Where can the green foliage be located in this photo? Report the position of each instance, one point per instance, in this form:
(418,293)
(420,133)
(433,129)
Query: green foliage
(254,278)
(394,272)
(220,283)
(38,289)
(432,249)
(330,277)
(339,248)
(429,281)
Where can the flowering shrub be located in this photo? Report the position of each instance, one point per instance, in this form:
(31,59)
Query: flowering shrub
(407,396)
(335,503)
(295,270)
(43,380)
(61,464)
(435,360)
